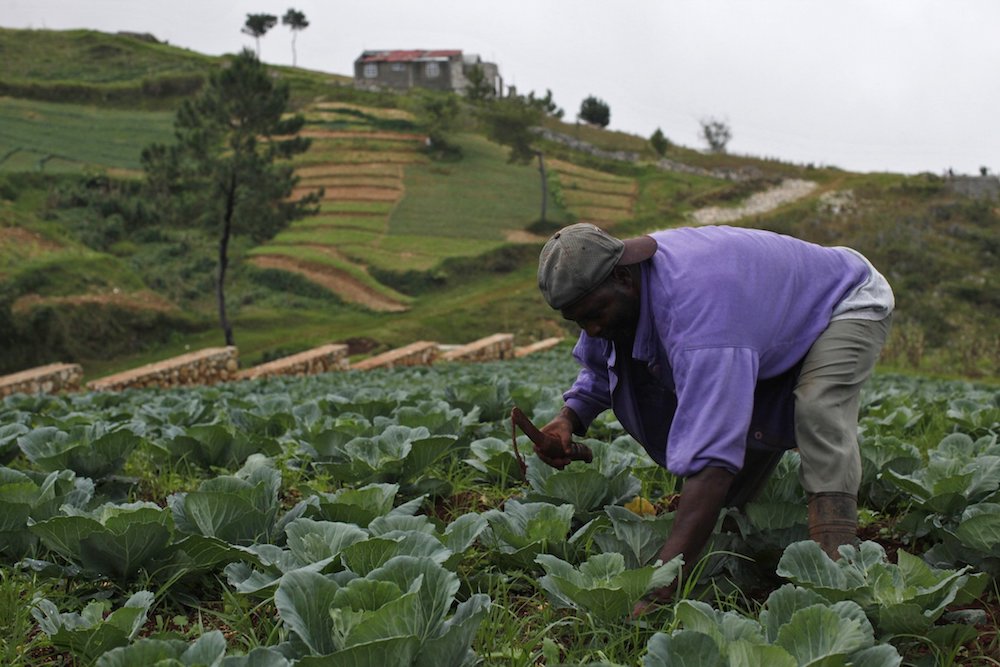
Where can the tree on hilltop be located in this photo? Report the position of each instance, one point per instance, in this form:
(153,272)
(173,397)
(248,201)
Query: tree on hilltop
(659,142)
(228,168)
(595,110)
(296,21)
(716,134)
(257,26)
(546,104)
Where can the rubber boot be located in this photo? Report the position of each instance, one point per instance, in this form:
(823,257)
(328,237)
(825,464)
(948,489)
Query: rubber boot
(833,521)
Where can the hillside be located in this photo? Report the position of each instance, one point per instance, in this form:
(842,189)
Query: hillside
(404,246)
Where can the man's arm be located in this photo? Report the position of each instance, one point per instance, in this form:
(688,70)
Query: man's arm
(702,497)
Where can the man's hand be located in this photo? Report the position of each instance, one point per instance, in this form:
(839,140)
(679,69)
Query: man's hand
(702,497)
(653,599)
(560,432)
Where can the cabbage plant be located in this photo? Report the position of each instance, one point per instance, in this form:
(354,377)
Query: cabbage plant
(904,599)
(218,445)
(32,496)
(326,547)
(359,506)
(397,615)
(607,480)
(495,458)
(206,651)
(396,454)
(960,472)
(521,531)
(602,585)
(95,451)
(9,433)
(114,541)
(241,509)
(94,631)
(636,537)
(795,627)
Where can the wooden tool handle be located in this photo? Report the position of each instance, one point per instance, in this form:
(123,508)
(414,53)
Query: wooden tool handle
(549,443)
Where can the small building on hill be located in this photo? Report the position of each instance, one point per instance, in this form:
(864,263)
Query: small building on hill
(446,69)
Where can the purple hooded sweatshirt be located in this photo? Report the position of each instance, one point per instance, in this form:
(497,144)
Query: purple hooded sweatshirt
(722,310)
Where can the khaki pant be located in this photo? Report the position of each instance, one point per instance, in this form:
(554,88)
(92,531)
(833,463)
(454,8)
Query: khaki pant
(827,399)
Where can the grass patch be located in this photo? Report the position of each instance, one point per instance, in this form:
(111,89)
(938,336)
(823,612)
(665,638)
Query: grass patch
(320,155)
(379,207)
(351,180)
(481,197)
(585,173)
(388,170)
(421,253)
(372,223)
(579,198)
(329,236)
(569,182)
(76,135)
(340,109)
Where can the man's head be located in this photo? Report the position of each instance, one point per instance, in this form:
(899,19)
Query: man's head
(586,273)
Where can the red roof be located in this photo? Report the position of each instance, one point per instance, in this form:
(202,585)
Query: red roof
(406,56)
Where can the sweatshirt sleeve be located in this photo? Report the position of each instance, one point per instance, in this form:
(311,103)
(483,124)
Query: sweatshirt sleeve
(590,394)
(715,388)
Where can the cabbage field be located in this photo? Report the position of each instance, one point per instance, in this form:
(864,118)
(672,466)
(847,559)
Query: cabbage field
(382,518)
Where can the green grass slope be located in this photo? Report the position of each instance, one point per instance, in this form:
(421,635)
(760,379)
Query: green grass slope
(453,244)
(50,137)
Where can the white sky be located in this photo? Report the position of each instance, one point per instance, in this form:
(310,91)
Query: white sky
(865,85)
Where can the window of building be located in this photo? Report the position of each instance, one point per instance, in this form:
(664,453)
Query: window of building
(371,70)
(398,67)
(432,70)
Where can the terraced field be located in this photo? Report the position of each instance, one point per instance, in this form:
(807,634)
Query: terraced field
(360,170)
(595,196)
(369,221)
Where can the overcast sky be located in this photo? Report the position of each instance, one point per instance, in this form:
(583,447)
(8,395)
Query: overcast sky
(865,85)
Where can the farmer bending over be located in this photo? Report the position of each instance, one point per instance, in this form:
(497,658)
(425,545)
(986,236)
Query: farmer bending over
(718,348)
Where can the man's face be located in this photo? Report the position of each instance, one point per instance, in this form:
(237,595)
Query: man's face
(611,311)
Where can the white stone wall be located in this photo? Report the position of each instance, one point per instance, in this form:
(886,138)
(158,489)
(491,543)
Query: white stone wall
(421,353)
(208,366)
(492,348)
(324,359)
(50,379)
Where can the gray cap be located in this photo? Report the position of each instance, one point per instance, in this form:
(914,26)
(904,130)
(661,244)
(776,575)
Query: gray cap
(580,257)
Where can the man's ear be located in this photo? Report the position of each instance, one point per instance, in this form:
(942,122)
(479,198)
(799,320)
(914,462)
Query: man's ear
(622,274)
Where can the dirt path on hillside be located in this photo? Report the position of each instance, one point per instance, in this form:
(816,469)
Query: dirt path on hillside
(338,282)
(761,202)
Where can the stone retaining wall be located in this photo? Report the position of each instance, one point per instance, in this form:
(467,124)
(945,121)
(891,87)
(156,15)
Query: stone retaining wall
(539,346)
(323,359)
(208,366)
(492,348)
(49,379)
(421,353)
